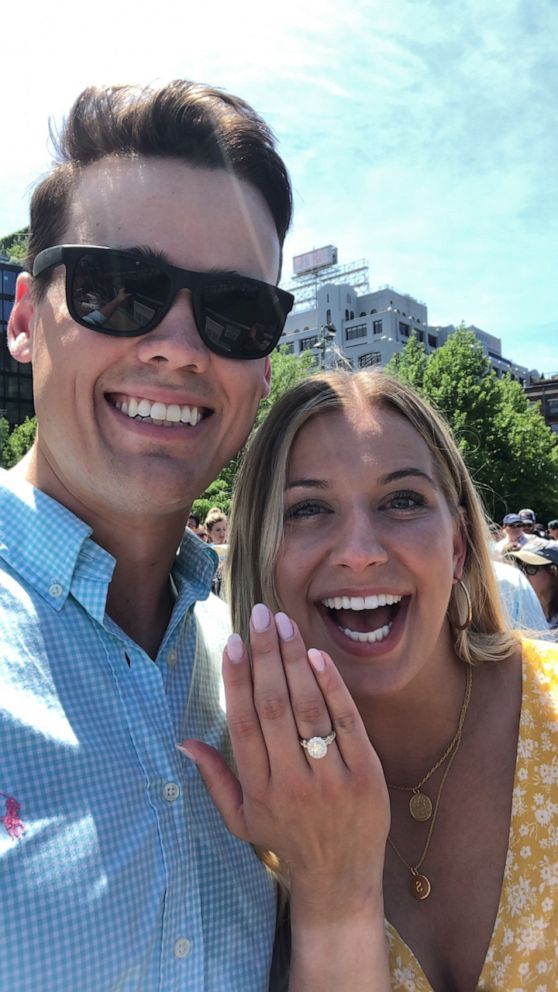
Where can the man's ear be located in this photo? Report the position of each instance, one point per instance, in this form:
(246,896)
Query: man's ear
(266,378)
(20,335)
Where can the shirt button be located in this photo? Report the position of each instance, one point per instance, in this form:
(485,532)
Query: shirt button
(182,947)
(55,590)
(171,791)
(172,656)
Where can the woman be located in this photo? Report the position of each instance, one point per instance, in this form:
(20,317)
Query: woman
(539,562)
(369,544)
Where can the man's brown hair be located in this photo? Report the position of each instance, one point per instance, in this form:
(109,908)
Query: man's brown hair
(202,126)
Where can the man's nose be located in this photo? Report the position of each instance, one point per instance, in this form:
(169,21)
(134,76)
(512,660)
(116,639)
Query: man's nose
(176,339)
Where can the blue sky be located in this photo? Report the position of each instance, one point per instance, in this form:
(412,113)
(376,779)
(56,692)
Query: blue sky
(420,134)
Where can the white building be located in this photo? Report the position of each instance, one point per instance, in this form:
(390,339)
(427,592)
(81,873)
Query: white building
(345,325)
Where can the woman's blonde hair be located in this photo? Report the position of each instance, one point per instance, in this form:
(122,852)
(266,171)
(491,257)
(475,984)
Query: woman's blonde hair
(256,527)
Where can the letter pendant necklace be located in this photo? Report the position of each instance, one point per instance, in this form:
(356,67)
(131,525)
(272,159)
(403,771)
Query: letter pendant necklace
(420,805)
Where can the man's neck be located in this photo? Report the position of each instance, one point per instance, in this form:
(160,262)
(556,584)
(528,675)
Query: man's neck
(140,598)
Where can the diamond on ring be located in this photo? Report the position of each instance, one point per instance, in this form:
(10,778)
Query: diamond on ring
(317,746)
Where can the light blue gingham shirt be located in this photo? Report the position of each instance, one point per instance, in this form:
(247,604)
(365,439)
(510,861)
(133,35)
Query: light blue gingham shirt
(116,871)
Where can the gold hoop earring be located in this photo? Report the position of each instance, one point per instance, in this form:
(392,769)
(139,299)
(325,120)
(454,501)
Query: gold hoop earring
(463,626)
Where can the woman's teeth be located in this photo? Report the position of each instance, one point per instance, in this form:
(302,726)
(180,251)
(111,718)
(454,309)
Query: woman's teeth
(361,602)
(370,636)
(159,413)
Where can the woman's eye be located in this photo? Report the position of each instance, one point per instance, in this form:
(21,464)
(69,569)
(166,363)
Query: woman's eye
(301,511)
(406,501)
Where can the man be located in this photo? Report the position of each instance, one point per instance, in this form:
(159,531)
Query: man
(529,523)
(513,533)
(116,871)
(553,530)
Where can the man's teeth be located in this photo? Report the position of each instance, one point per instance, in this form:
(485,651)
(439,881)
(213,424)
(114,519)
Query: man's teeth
(160,413)
(370,636)
(361,602)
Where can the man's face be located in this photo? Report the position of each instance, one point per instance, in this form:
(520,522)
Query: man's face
(90,454)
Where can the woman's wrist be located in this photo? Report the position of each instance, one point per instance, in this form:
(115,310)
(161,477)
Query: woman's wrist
(342,950)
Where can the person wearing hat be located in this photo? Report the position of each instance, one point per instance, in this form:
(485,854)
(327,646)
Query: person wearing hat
(552,528)
(513,533)
(539,561)
(529,522)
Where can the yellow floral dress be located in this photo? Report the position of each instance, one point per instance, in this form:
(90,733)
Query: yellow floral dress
(523,951)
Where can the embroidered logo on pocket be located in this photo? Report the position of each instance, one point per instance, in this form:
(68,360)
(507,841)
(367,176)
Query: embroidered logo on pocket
(11,819)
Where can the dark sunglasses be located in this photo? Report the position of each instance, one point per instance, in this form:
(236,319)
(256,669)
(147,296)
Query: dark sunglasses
(127,293)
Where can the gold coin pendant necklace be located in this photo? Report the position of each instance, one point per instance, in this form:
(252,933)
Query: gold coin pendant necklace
(420,805)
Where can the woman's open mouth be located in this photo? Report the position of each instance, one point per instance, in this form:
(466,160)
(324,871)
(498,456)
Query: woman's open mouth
(365,619)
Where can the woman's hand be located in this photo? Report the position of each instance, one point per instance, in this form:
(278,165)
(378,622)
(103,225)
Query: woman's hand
(327,819)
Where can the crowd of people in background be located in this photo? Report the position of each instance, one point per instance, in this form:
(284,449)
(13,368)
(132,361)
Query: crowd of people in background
(213,531)
(532,550)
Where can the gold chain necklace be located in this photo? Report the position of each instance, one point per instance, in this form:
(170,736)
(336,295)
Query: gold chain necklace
(420,805)
(419,885)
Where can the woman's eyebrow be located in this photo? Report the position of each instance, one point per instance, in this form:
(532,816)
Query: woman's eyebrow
(402,473)
(306,484)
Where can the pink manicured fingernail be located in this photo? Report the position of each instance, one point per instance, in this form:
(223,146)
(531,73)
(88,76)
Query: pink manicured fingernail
(235,648)
(317,660)
(184,750)
(284,626)
(261,617)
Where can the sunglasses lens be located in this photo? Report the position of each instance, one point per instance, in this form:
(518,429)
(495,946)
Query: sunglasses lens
(240,318)
(117,294)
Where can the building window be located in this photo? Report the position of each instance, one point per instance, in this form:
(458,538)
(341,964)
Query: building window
(328,316)
(432,341)
(287,348)
(377,327)
(372,358)
(356,332)
(306,343)
(8,282)
(403,329)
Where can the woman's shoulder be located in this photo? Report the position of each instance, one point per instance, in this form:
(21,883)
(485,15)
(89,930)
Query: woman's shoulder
(540,684)
(541,657)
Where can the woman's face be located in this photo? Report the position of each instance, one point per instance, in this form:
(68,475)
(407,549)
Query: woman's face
(219,532)
(370,548)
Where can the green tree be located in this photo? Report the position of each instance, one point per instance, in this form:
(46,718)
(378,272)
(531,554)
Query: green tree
(15,445)
(286,371)
(410,364)
(4,434)
(15,245)
(509,450)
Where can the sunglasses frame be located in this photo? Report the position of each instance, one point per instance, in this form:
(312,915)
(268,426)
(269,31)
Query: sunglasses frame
(195,282)
(529,569)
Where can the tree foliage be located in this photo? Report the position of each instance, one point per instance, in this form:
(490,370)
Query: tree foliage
(509,450)
(286,371)
(15,245)
(14,445)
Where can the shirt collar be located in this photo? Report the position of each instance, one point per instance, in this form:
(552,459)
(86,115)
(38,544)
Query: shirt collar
(52,549)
